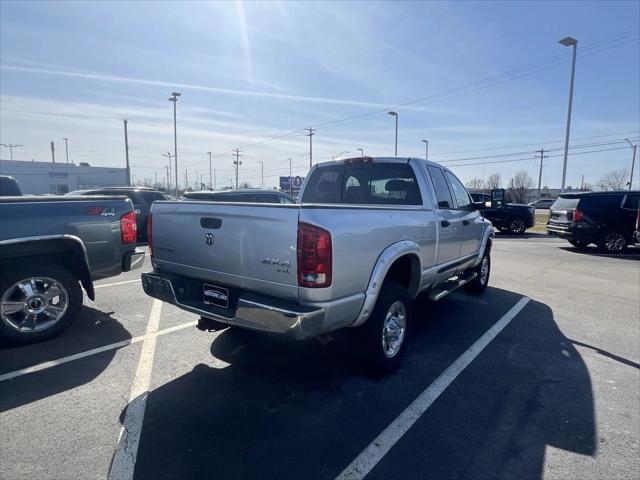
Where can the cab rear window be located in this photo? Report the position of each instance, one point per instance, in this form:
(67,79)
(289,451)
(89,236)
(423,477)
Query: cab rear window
(363,184)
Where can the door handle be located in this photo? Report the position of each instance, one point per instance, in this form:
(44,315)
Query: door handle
(444,223)
(466,222)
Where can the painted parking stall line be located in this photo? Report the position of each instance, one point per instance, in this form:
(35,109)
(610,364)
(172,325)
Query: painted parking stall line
(137,280)
(124,459)
(380,446)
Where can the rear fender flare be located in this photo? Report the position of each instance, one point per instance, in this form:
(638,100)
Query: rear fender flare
(386,259)
(53,246)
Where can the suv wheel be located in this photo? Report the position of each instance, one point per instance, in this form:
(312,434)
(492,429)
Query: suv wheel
(480,282)
(517,226)
(381,341)
(613,242)
(37,302)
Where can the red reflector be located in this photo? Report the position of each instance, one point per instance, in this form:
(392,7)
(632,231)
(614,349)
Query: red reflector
(150,235)
(577,215)
(128,227)
(314,256)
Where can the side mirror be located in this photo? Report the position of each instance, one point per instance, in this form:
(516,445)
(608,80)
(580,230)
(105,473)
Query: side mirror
(487,204)
(480,205)
(498,197)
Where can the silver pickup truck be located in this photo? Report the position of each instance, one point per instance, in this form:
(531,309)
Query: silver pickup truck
(365,238)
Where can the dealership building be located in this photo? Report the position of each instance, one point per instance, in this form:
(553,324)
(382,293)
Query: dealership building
(37,178)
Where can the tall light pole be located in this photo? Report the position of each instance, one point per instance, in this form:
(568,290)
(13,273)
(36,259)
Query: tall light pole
(174,99)
(394,114)
(633,162)
(210,172)
(361,152)
(66,148)
(568,42)
(290,180)
(261,173)
(10,146)
(426,149)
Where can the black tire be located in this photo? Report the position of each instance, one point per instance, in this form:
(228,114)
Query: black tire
(479,283)
(9,292)
(368,338)
(578,244)
(613,242)
(517,225)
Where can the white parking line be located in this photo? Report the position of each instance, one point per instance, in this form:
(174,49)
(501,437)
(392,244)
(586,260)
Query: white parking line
(381,445)
(124,459)
(94,351)
(116,283)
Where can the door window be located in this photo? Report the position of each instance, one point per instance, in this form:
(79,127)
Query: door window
(459,192)
(443,195)
(631,202)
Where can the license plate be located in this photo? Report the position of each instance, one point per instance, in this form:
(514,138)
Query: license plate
(214,295)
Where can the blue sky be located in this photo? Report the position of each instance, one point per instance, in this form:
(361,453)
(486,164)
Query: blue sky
(253,71)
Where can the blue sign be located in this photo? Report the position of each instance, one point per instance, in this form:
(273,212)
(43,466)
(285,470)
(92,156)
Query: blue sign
(291,183)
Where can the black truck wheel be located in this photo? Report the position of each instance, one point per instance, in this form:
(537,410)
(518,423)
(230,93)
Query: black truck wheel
(613,242)
(381,341)
(37,302)
(517,226)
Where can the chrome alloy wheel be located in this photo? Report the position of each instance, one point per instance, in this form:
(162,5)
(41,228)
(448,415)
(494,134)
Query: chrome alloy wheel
(394,329)
(614,242)
(484,270)
(517,226)
(34,304)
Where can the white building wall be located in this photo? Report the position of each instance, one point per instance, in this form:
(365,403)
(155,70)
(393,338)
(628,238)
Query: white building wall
(39,178)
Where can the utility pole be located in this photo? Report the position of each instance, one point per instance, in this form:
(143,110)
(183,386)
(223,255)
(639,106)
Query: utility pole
(582,183)
(310,135)
(186,180)
(167,178)
(261,173)
(155,185)
(168,156)
(126,151)
(210,169)
(290,180)
(395,114)
(568,41)
(174,99)
(633,162)
(53,152)
(10,146)
(237,164)
(66,148)
(542,157)
(214,179)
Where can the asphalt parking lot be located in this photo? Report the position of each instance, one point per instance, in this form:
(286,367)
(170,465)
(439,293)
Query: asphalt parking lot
(539,377)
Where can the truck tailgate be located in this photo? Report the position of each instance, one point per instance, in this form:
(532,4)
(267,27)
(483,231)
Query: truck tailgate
(248,246)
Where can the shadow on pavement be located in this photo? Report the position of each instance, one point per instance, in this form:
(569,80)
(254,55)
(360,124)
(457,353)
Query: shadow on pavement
(93,328)
(285,409)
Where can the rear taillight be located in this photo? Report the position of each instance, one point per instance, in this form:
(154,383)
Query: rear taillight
(638,220)
(577,215)
(314,256)
(128,227)
(150,234)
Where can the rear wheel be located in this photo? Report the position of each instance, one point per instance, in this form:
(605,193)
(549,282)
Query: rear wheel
(381,341)
(613,242)
(517,226)
(37,302)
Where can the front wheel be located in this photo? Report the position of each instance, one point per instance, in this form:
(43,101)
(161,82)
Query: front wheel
(381,341)
(37,302)
(613,242)
(483,270)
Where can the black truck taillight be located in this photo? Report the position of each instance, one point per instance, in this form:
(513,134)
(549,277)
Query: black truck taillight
(315,256)
(577,215)
(128,228)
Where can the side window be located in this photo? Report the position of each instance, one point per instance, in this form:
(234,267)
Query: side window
(285,200)
(605,202)
(459,192)
(631,202)
(443,195)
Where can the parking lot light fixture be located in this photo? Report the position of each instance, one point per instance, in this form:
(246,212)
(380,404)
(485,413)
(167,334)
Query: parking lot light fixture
(394,114)
(426,149)
(174,98)
(568,42)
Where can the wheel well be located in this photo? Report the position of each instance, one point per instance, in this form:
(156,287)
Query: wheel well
(406,271)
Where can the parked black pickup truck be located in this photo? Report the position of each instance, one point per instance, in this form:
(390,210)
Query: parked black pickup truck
(49,246)
(506,217)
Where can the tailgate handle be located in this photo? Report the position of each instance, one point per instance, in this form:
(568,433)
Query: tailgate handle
(210,222)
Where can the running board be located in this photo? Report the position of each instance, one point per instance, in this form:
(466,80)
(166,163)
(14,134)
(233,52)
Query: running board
(451,285)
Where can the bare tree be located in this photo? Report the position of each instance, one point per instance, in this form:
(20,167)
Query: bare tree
(494,180)
(475,183)
(519,186)
(614,180)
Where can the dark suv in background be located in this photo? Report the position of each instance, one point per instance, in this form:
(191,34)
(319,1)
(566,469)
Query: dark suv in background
(605,218)
(141,197)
